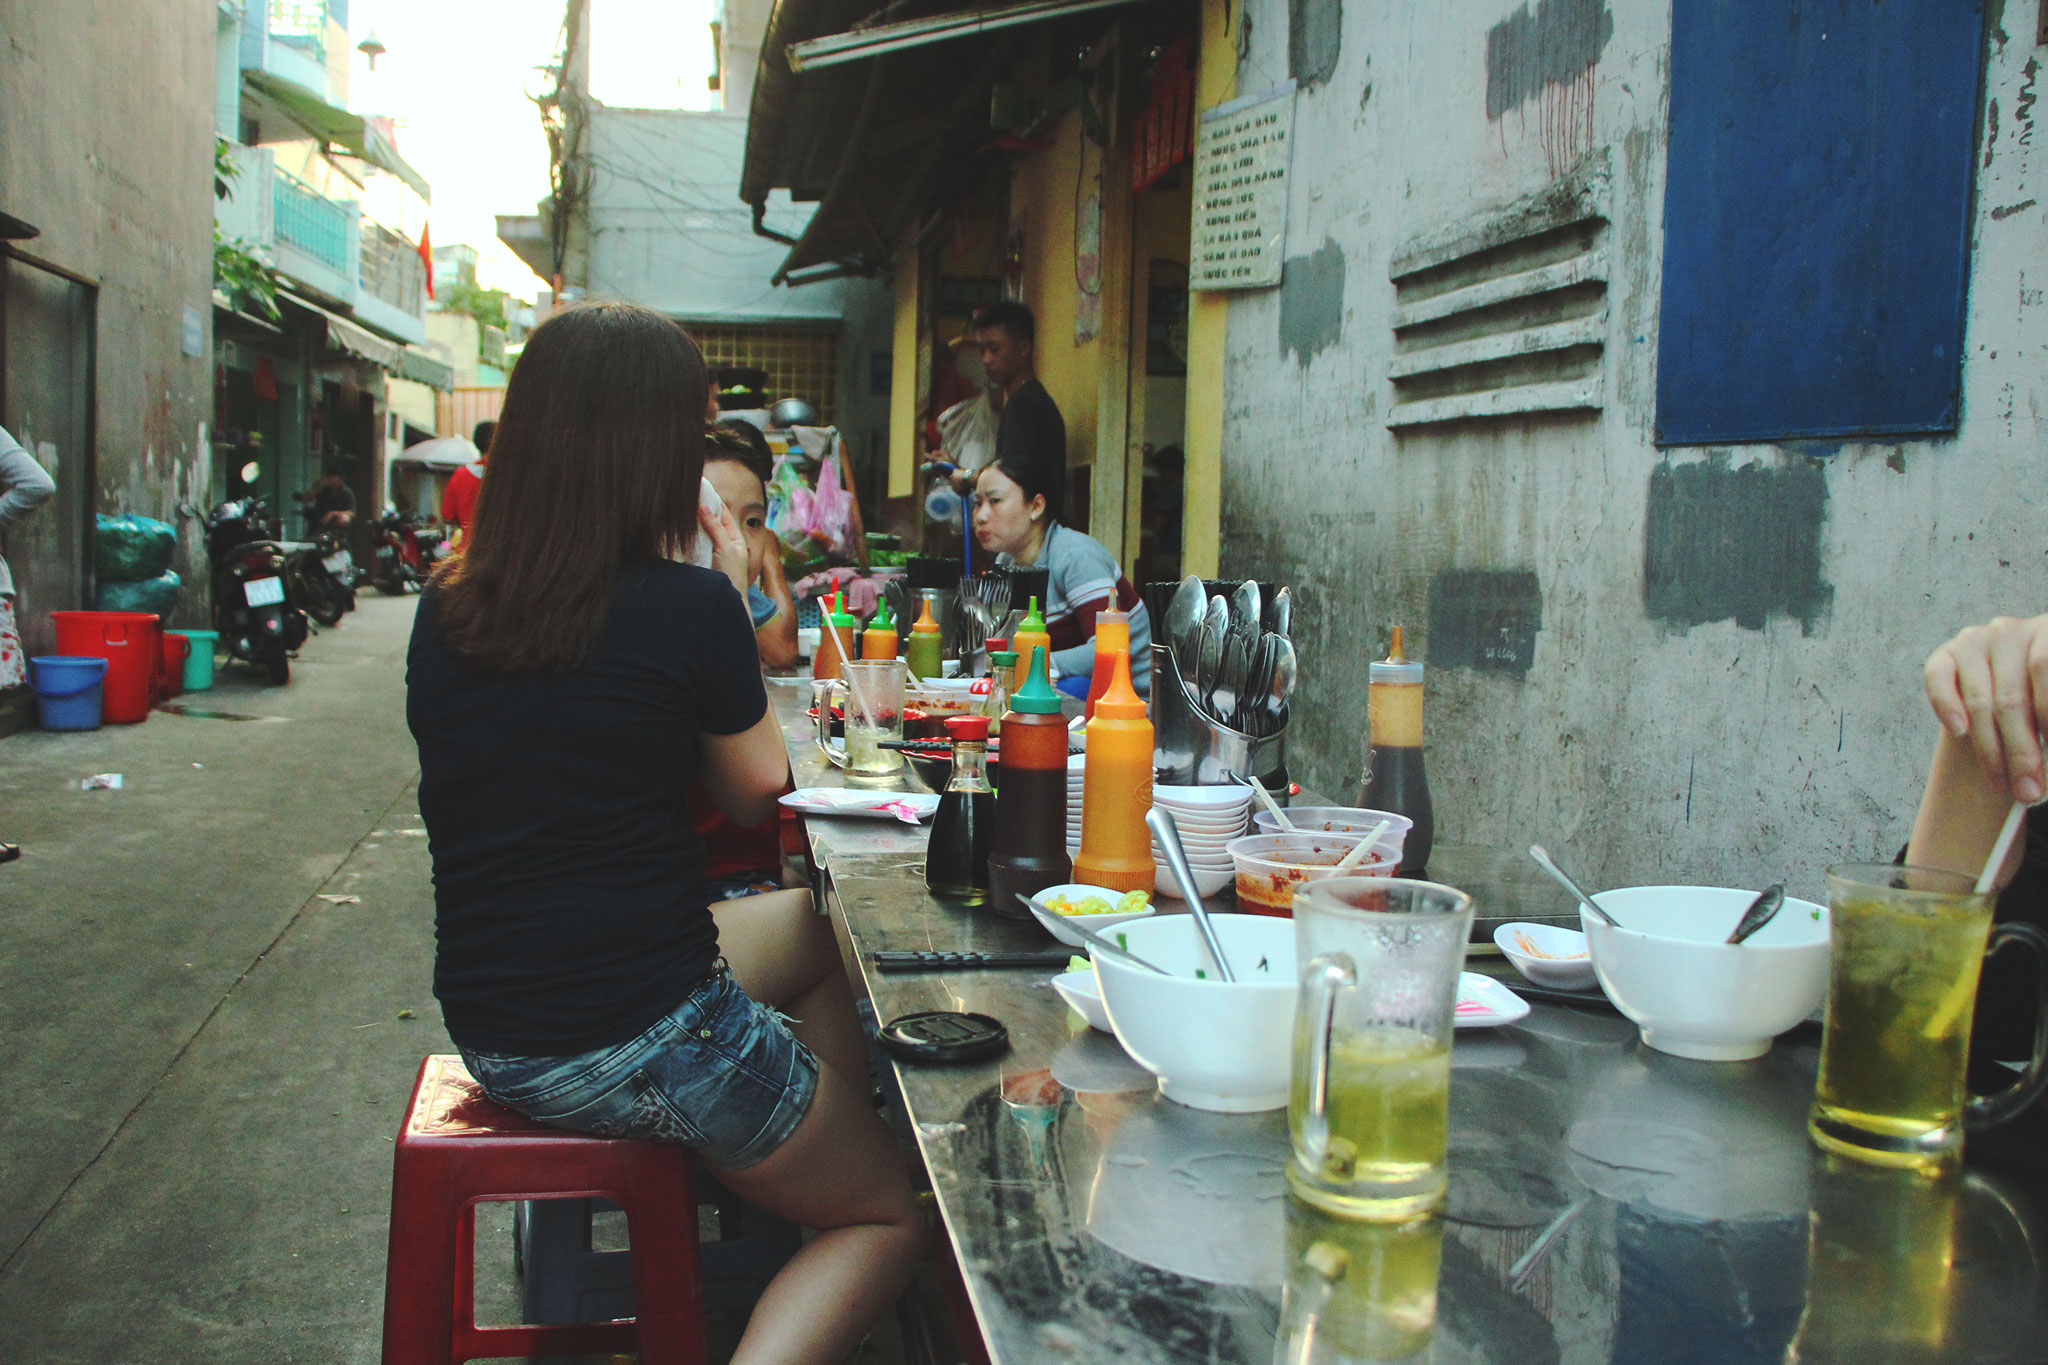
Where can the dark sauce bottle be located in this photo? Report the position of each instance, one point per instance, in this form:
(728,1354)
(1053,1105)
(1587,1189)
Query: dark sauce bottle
(1394,776)
(956,859)
(1030,851)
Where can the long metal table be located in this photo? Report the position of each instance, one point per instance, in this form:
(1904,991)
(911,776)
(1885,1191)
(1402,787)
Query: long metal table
(1607,1202)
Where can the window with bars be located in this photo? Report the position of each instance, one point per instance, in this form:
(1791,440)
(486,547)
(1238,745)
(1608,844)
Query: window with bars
(802,362)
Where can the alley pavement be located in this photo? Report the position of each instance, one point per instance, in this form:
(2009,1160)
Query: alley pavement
(206,1055)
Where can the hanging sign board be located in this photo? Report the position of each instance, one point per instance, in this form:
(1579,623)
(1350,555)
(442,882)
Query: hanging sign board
(1240,220)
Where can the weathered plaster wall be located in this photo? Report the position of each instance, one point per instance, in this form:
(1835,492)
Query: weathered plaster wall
(118,174)
(1611,676)
(1047,190)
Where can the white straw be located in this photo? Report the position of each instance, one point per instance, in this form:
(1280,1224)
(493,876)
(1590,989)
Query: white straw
(1357,855)
(2002,847)
(1271,805)
(852,683)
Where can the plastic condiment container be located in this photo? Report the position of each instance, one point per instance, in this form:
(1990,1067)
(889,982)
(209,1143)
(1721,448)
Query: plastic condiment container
(1031,635)
(1116,790)
(925,651)
(878,641)
(1112,633)
(1030,848)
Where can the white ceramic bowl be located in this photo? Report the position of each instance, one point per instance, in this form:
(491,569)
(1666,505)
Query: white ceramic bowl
(1079,991)
(1218,1046)
(1208,880)
(1202,798)
(1057,924)
(1560,960)
(1694,995)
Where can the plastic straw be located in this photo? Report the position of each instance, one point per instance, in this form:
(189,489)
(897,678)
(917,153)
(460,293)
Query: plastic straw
(2002,847)
(1357,855)
(1271,805)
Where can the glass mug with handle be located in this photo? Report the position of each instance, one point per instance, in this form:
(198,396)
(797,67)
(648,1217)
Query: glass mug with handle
(1368,1110)
(870,696)
(1909,943)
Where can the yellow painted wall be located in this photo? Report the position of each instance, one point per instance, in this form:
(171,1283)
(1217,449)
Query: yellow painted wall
(904,397)
(1202,517)
(1042,198)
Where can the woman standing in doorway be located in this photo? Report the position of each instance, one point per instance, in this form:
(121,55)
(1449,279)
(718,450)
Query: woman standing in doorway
(24,486)
(569,679)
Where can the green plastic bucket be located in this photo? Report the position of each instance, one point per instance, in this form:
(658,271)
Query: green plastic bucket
(199,660)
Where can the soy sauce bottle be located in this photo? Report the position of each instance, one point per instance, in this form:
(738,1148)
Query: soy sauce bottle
(1394,776)
(956,859)
(1030,848)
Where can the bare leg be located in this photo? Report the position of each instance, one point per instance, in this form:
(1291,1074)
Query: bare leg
(841,1172)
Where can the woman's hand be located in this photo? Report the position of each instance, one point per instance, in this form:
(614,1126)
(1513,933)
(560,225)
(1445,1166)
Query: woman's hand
(728,544)
(1990,684)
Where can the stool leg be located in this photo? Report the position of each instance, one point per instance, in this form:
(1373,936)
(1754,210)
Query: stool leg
(661,1224)
(419,1276)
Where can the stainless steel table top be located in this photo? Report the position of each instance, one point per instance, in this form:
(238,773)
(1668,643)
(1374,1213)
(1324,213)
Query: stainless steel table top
(1606,1203)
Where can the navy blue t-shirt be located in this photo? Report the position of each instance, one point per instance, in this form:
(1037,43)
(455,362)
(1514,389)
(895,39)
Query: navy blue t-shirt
(569,883)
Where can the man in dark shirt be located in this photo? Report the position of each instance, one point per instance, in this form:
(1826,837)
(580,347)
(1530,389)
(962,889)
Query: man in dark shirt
(1031,429)
(330,506)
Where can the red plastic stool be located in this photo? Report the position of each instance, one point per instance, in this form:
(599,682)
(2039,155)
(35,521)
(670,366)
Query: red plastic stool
(457,1149)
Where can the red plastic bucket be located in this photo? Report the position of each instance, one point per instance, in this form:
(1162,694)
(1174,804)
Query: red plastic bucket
(171,679)
(131,643)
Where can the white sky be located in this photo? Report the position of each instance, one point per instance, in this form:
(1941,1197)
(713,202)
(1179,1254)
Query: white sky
(456,75)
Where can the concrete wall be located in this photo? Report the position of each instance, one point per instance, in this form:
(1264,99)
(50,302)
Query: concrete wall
(1637,749)
(118,174)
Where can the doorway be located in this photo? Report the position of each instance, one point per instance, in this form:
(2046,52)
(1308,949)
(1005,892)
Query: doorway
(47,333)
(1161,223)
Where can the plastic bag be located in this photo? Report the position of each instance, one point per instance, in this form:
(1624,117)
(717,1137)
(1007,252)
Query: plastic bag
(132,549)
(159,594)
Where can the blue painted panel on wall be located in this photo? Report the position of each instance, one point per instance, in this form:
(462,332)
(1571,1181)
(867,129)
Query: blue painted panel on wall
(1816,217)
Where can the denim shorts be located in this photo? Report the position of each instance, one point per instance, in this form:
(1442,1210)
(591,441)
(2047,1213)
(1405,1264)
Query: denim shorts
(720,1073)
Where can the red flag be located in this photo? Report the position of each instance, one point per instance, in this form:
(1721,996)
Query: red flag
(427,258)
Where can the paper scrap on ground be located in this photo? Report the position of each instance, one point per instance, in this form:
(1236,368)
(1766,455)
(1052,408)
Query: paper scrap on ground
(341,900)
(101,781)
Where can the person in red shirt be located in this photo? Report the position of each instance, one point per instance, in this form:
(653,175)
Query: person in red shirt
(458,501)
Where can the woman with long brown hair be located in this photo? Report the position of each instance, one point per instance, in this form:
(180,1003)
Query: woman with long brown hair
(568,680)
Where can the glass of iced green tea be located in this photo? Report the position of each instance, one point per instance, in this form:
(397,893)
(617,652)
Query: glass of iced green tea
(1902,985)
(1368,1109)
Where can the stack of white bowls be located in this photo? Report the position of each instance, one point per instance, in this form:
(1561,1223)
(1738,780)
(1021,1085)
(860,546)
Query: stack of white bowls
(1208,819)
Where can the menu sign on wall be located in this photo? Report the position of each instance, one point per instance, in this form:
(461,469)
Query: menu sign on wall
(1240,220)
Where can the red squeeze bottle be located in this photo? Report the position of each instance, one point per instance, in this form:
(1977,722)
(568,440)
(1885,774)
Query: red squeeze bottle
(1112,633)
(1030,851)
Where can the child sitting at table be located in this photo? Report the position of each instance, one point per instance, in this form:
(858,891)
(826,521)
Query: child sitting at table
(570,676)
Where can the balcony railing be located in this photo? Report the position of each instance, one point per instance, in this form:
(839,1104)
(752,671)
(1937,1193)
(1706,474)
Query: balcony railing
(392,269)
(315,225)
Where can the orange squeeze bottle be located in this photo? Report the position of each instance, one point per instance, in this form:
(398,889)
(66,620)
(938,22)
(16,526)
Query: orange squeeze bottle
(878,641)
(1112,633)
(1116,789)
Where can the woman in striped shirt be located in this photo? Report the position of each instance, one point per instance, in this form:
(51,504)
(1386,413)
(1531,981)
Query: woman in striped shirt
(1013,518)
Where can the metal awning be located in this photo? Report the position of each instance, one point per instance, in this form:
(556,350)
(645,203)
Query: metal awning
(354,339)
(873,143)
(352,132)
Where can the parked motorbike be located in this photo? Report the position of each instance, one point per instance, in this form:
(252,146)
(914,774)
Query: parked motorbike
(252,601)
(323,575)
(407,550)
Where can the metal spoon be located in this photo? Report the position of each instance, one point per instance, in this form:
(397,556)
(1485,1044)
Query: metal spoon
(1210,662)
(1281,609)
(1543,861)
(1106,945)
(1160,822)
(1229,682)
(1183,614)
(1761,911)
(1245,617)
(1285,670)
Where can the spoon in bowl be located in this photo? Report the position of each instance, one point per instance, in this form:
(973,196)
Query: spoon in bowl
(1761,911)
(1543,861)
(1105,944)
(1160,822)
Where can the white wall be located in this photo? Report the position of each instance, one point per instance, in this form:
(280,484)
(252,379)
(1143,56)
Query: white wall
(1641,749)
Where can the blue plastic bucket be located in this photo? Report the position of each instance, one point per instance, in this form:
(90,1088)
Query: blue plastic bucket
(67,690)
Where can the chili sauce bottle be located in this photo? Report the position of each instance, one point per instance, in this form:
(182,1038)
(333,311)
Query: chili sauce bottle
(878,641)
(833,617)
(1116,790)
(1394,776)
(925,651)
(1030,851)
(956,858)
(1112,632)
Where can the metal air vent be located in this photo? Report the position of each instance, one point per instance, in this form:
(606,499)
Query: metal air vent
(1506,316)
